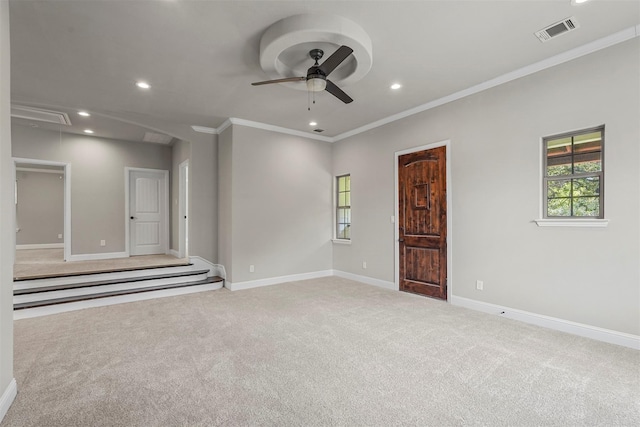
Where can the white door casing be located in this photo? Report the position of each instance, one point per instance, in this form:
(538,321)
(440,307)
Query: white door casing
(147,219)
(183,208)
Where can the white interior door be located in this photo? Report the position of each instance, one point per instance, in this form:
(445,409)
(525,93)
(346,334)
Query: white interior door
(148,212)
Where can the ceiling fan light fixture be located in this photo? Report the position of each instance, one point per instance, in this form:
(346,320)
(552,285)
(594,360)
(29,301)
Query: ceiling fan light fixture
(316,84)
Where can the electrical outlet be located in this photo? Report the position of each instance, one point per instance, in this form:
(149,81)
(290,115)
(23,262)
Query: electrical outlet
(59,236)
(479,285)
(252,268)
(103,243)
(364,264)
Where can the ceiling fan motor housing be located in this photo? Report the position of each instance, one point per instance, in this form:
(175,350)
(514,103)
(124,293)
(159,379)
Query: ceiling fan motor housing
(316,79)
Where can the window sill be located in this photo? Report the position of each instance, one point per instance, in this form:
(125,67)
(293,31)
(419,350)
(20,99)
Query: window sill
(573,222)
(341,241)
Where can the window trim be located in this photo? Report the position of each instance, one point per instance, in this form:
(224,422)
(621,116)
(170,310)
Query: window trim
(574,221)
(336,196)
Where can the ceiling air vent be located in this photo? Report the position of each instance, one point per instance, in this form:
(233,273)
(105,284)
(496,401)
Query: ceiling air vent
(157,138)
(557,29)
(318,130)
(40,115)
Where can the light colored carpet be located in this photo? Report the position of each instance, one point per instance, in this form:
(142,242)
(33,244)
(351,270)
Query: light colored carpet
(34,263)
(322,352)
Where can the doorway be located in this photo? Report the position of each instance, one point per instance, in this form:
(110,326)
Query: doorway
(423,212)
(51,235)
(147,200)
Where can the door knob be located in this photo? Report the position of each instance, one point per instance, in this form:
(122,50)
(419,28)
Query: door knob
(133,217)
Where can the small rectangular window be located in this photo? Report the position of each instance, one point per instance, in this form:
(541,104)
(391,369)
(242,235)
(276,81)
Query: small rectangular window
(343,207)
(574,174)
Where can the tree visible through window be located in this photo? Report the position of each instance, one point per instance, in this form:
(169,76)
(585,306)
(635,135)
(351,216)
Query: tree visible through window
(343,207)
(573,174)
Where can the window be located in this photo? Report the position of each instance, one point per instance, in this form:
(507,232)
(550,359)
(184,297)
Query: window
(343,207)
(574,174)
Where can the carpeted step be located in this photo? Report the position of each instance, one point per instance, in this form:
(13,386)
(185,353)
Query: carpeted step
(68,286)
(97,295)
(97,272)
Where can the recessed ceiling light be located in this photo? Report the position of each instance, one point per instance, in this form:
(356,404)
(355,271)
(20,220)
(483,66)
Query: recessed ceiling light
(83,114)
(88,131)
(143,85)
(396,86)
(313,124)
(578,1)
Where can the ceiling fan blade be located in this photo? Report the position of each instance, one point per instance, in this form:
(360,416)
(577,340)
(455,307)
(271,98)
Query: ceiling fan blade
(334,60)
(337,92)
(285,80)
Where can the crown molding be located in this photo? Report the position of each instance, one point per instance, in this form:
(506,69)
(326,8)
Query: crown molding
(552,61)
(204,129)
(594,46)
(273,128)
(257,125)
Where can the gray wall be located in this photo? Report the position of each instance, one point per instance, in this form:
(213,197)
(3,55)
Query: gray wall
(281,209)
(7,231)
(97,180)
(40,208)
(180,151)
(203,196)
(586,275)
(203,187)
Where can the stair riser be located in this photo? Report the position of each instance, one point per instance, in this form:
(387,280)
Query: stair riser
(43,296)
(120,299)
(59,281)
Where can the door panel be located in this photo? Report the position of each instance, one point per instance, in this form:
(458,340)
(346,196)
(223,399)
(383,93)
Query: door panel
(147,212)
(147,233)
(147,195)
(423,222)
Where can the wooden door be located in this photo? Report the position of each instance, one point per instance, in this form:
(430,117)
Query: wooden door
(422,222)
(147,210)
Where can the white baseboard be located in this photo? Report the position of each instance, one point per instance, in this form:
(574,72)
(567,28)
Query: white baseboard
(214,269)
(8,397)
(368,280)
(41,246)
(94,257)
(275,280)
(580,329)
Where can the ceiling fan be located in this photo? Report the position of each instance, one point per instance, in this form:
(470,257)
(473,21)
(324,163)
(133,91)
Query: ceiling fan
(317,75)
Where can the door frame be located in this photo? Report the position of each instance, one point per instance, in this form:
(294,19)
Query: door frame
(127,207)
(67,198)
(396,245)
(183,209)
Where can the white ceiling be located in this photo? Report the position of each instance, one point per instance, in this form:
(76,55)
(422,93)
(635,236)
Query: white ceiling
(201,56)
